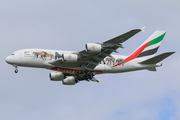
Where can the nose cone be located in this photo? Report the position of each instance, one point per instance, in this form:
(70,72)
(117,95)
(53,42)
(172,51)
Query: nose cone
(8,60)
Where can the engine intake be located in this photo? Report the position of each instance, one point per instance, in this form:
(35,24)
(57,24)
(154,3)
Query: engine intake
(56,76)
(93,47)
(70,57)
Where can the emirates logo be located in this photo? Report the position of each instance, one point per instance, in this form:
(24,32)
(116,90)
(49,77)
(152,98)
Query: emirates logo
(56,75)
(93,46)
(69,56)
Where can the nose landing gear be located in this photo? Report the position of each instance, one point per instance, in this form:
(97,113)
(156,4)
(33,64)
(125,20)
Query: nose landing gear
(16,70)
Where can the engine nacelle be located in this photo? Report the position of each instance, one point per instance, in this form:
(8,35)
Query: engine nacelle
(93,47)
(56,76)
(69,81)
(70,57)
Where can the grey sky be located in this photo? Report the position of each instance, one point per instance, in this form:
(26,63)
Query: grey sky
(69,25)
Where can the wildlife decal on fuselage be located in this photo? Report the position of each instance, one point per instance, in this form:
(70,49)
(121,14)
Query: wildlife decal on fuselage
(112,61)
(43,55)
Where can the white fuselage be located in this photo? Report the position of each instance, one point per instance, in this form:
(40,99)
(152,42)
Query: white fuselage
(33,58)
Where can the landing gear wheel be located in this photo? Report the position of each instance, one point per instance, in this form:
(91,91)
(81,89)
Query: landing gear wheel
(86,71)
(76,80)
(89,77)
(16,71)
(93,74)
(82,72)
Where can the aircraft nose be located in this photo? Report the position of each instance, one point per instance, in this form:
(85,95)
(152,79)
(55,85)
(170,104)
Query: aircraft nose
(8,60)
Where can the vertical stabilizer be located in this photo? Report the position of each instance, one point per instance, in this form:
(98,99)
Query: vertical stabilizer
(148,49)
(151,45)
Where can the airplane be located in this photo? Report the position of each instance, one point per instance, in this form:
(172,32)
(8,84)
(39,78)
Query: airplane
(72,67)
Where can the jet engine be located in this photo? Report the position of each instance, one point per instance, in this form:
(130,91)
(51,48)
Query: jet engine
(70,57)
(56,76)
(69,81)
(93,47)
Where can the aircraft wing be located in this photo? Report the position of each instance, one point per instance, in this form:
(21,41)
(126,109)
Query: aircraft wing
(91,60)
(122,38)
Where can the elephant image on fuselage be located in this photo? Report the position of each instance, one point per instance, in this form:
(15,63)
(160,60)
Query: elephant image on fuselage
(120,60)
(110,60)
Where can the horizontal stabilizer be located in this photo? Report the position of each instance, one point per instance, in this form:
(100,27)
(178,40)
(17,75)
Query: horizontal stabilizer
(157,59)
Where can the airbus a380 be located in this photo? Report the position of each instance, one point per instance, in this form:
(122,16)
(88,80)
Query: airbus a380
(72,67)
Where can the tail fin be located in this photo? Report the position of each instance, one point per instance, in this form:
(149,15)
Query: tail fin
(149,48)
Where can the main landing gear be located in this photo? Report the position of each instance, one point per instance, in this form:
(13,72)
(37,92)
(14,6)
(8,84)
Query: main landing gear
(16,70)
(87,75)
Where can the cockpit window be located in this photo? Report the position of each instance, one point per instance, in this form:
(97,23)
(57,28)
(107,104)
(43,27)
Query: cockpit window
(13,54)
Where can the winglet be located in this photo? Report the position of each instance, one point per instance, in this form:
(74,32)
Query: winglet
(143,29)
